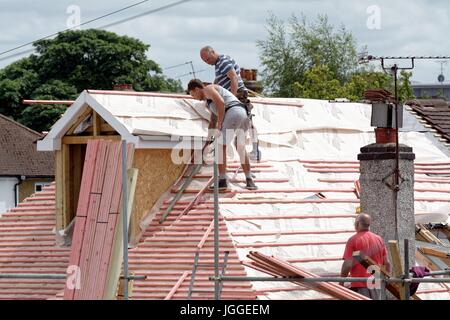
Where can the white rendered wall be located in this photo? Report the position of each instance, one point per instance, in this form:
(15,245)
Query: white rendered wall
(7,200)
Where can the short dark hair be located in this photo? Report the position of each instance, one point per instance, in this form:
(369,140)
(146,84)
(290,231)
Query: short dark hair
(195,83)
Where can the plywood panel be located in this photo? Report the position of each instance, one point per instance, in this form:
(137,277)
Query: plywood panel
(157,173)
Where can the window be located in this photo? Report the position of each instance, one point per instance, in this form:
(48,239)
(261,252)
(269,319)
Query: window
(38,186)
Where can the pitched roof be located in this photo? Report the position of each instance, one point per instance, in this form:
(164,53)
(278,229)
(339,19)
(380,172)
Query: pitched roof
(303,211)
(19,155)
(27,245)
(435,112)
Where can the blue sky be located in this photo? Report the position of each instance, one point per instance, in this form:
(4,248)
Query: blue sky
(414,27)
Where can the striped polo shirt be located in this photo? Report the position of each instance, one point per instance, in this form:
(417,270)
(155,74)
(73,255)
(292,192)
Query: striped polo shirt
(224,64)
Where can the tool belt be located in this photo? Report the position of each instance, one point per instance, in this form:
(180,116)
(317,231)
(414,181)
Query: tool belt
(236,104)
(242,95)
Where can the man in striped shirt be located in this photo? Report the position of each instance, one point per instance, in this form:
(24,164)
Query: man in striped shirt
(228,76)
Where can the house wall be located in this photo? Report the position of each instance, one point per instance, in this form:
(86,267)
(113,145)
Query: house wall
(7,200)
(432,92)
(157,173)
(27,187)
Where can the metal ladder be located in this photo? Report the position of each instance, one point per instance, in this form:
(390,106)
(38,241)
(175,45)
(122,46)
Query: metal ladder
(197,266)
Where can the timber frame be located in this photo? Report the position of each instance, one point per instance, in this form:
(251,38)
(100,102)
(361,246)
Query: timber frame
(69,162)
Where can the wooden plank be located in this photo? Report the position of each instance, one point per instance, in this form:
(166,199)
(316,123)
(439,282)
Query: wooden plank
(100,168)
(93,290)
(91,219)
(106,257)
(59,203)
(66,192)
(434,252)
(104,127)
(116,256)
(92,242)
(133,177)
(366,262)
(85,139)
(96,122)
(111,175)
(87,178)
(75,251)
(428,236)
(76,173)
(397,267)
(101,236)
(117,248)
(79,120)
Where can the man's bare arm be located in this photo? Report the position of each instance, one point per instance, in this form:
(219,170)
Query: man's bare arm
(211,93)
(212,121)
(346,266)
(232,75)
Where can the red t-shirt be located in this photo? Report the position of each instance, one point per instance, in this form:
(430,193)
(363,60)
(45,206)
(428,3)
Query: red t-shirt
(369,244)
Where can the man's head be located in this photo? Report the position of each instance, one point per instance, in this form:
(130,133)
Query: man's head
(208,55)
(195,89)
(362,222)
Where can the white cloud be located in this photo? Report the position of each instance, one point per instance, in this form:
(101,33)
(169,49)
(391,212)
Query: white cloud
(415,27)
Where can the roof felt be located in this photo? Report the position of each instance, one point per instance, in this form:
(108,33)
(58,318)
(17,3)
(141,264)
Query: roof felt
(18,155)
(303,211)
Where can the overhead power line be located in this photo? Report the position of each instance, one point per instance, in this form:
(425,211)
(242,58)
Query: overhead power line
(177,65)
(77,26)
(90,21)
(170,5)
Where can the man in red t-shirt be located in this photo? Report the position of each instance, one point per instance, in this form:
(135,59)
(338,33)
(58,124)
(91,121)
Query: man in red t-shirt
(369,244)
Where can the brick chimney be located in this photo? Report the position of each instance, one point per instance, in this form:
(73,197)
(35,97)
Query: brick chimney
(123,87)
(250,80)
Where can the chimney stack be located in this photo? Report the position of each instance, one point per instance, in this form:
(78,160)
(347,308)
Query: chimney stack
(123,87)
(392,217)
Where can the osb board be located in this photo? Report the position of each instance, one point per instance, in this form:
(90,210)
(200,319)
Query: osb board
(157,173)
(27,187)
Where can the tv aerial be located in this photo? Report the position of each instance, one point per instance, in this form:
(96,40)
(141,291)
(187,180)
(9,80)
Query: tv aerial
(441,77)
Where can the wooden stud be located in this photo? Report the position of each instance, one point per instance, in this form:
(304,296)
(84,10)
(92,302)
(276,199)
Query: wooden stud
(397,267)
(96,123)
(366,262)
(86,139)
(59,203)
(66,191)
(434,252)
(79,120)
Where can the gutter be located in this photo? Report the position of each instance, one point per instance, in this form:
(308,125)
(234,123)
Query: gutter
(16,190)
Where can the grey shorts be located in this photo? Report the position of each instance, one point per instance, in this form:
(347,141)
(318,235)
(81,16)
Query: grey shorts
(373,294)
(235,124)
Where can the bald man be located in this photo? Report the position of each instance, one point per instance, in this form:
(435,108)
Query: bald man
(228,75)
(369,244)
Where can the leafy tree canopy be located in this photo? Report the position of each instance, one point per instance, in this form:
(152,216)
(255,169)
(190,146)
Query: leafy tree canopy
(318,61)
(70,63)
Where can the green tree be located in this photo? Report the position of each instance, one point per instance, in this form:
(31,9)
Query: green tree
(318,83)
(72,62)
(316,60)
(405,91)
(293,48)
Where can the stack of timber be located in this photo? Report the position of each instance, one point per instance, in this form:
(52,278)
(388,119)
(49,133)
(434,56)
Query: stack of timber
(97,220)
(280,268)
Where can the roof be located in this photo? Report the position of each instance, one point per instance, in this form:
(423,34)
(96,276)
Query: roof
(19,155)
(430,85)
(149,120)
(27,245)
(435,112)
(303,211)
